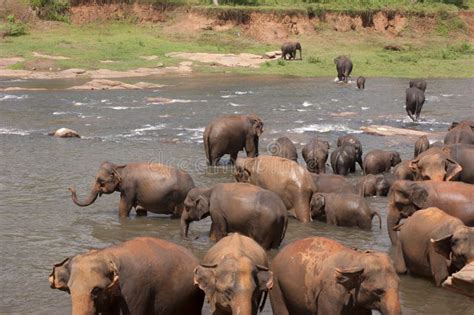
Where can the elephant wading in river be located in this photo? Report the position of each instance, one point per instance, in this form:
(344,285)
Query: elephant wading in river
(286,178)
(375,185)
(285,148)
(315,154)
(433,244)
(406,197)
(351,139)
(234,275)
(361,83)
(330,183)
(343,159)
(418,83)
(380,161)
(414,100)
(153,187)
(238,207)
(461,132)
(317,275)
(140,276)
(343,67)
(421,145)
(231,134)
(289,49)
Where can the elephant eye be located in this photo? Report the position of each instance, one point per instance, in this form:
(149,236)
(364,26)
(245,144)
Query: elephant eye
(95,292)
(379,292)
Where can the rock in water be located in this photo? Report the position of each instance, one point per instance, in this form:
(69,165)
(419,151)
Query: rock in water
(462,281)
(65,133)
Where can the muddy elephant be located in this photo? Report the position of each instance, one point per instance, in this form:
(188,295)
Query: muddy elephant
(317,275)
(235,276)
(315,154)
(330,183)
(285,148)
(343,67)
(375,185)
(286,178)
(418,83)
(421,145)
(407,197)
(238,207)
(288,50)
(414,100)
(403,171)
(351,139)
(343,159)
(433,244)
(380,161)
(141,276)
(153,187)
(231,134)
(361,83)
(461,132)
(343,210)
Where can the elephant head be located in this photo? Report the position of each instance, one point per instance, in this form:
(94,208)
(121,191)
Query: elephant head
(437,166)
(254,131)
(298,47)
(107,181)
(421,145)
(92,282)
(317,205)
(234,285)
(196,207)
(243,169)
(395,158)
(405,197)
(457,247)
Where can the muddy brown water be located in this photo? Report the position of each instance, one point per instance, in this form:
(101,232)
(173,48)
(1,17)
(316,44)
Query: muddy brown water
(39,225)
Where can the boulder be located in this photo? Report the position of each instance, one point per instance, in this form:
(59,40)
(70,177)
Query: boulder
(65,133)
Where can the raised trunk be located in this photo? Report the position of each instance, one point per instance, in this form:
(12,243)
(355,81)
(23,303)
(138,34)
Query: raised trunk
(92,197)
(391,305)
(393,218)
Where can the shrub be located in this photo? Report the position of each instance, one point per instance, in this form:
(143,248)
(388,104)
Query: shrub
(313,59)
(14,27)
(54,10)
(281,62)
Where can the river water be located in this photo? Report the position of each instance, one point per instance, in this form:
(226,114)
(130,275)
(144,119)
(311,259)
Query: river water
(39,224)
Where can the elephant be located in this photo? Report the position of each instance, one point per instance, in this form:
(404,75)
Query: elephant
(407,197)
(285,148)
(238,207)
(351,139)
(403,171)
(343,159)
(375,185)
(286,178)
(433,244)
(414,100)
(380,161)
(361,83)
(234,275)
(290,48)
(435,164)
(141,276)
(421,145)
(317,275)
(153,187)
(461,132)
(343,210)
(330,183)
(418,83)
(231,134)
(315,154)
(343,67)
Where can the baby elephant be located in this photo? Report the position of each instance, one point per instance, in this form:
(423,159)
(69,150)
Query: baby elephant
(285,148)
(380,161)
(315,154)
(375,185)
(343,210)
(238,207)
(361,83)
(290,48)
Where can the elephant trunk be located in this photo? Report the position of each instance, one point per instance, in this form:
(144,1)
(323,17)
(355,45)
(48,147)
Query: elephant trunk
(83,305)
(393,218)
(377,214)
(92,197)
(391,305)
(242,305)
(185,221)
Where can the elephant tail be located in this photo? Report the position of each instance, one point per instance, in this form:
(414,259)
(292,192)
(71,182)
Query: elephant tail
(376,213)
(362,188)
(207,146)
(334,167)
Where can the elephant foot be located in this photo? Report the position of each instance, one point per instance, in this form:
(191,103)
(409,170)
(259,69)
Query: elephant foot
(141,213)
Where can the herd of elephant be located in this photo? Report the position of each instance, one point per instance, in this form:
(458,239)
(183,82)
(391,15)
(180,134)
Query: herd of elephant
(414,94)
(433,193)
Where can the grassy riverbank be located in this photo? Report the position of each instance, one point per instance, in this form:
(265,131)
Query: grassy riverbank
(441,49)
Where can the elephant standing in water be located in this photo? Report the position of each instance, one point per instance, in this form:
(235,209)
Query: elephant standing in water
(153,187)
(234,275)
(141,276)
(315,154)
(414,100)
(343,159)
(351,139)
(380,161)
(461,132)
(418,83)
(285,148)
(361,83)
(290,48)
(343,67)
(231,134)
(238,207)
(433,244)
(320,276)
(421,145)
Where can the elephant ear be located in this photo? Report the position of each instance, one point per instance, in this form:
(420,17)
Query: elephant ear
(205,279)
(350,278)
(418,195)
(257,125)
(59,277)
(264,278)
(452,169)
(443,245)
(114,286)
(116,174)
(202,207)
(413,166)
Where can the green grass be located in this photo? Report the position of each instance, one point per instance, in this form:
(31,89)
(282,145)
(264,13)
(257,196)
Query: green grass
(434,56)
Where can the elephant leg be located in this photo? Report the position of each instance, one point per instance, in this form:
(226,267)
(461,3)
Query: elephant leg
(352,169)
(177,211)
(218,227)
(439,267)
(125,206)
(302,210)
(141,212)
(277,300)
(399,260)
